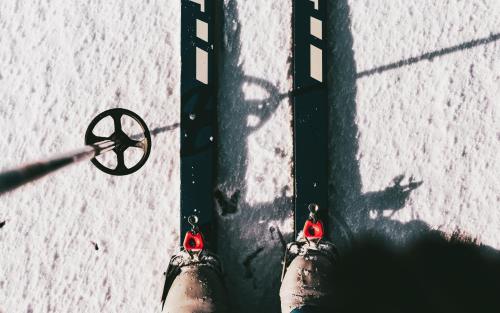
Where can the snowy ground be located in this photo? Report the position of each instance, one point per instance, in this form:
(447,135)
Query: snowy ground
(414,91)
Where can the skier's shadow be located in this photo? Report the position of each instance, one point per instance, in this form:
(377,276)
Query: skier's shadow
(250,249)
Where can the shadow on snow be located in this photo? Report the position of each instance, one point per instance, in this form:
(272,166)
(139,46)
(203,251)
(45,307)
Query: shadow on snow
(250,249)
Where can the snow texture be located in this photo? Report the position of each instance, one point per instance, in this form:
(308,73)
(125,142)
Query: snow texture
(414,128)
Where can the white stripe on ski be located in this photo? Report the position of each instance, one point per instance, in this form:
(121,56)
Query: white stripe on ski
(202,66)
(316,28)
(316,63)
(202,30)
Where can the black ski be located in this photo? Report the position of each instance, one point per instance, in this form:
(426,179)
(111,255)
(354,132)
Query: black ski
(198,115)
(198,132)
(310,111)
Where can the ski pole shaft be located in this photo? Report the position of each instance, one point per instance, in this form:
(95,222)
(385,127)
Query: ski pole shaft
(19,176)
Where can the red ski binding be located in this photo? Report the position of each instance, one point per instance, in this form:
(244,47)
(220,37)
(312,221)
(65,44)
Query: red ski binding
(313,227)
(313,230)
(193,242)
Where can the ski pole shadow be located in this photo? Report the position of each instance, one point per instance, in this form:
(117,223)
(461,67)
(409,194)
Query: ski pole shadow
(430,55)
(392,198)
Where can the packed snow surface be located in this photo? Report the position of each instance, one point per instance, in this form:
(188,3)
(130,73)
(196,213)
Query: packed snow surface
(414,89)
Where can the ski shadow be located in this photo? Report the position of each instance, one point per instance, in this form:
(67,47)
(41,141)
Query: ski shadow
(250,237)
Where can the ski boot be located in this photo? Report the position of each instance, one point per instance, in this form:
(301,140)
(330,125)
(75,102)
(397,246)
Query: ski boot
(306,280)
(193,282)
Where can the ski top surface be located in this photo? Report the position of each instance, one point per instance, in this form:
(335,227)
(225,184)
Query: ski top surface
(310,110)
(198,116)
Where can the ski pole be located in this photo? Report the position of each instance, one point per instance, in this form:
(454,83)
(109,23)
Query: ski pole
(19,176)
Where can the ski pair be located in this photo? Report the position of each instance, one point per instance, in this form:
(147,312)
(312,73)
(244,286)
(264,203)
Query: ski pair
(199,122)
